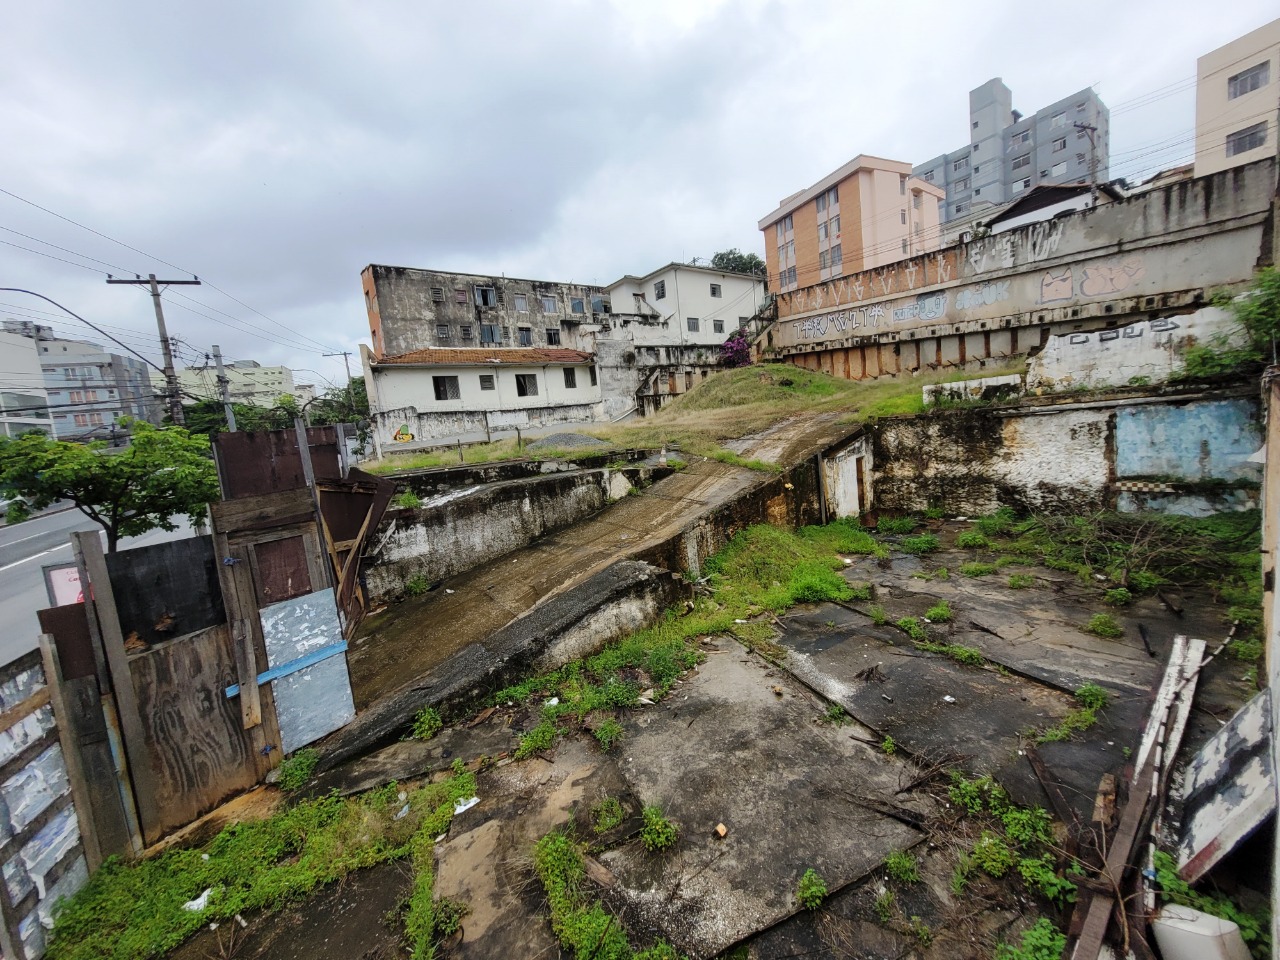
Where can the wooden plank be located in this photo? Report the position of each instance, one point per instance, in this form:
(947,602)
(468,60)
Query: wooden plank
(27,707)
(1051,787)
(241,632)
(263,511)
(69,627)
(131,728)
(198,748)
(322,574)
(280,570)
(267,732)
(111,812)
(91,612)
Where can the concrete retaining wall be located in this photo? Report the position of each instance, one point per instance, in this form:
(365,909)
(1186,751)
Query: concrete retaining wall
(1184,454)
(462,528)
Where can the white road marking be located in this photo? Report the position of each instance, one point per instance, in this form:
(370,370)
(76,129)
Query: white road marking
(34,556)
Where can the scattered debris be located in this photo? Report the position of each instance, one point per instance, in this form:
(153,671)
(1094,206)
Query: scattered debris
(721,830)
(464,805)
(199,903)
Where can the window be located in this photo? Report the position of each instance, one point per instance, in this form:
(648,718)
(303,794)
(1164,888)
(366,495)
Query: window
(822,230)
(548,304)
(77,396)
(903,215)
(1058,169)
(526,384)
(902,183)
(486,297)
(526,336)
(1022,161)
(961,207)
(836,257)
(487,382)
(976,168)
(1058,119)
(715,290)
(783,227)
(791,276)
(975,124)
(904,244)
(522,303)
(446,388)
(578,305)
(961,164)
(490,333)
(1080,107)
(1247,81)
(437,294)
(459,295)
(1079,158)
(82,420)
(978,192)
(570,378)
(976,146)
(442,331)
(592,371)
(1059,144)
(1081,134)
(1021,138)
(717,325)
(828,198)
(824,259)
(660,290)
(1250,138)
(692,323)
(553,336)
(928,177)
(466,331)
(834,226)
(962,183)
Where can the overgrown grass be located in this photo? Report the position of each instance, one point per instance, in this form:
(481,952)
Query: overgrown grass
(297,769)
(133,911)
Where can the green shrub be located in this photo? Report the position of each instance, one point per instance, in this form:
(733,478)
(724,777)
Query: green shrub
(1103,625)
(992,855)
(540,737)
(861,592)
(1247,651)
(657,833)
(981,793)
(1092,696)
(978,569)
(296,770)
(416,585)
(1042,941)
(1119,597)
(888,745)
(607,814)
(407,499)
(972,540)
(934,513)
(1027,825)
(427,724)
(1040,875)
(901,866)
(836,715)
(1077,721)
(920,544)
(811,890)
(877,615)
(1020,581)
(1254,929)
(940,612)
(889,526)
(997,524)
(912,627)
(608,732)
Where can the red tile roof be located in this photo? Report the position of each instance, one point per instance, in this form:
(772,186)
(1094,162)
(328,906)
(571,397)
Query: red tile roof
(466,356)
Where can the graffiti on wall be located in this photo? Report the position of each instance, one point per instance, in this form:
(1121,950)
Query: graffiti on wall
(1094,280)
(1132,332)
(926,307)
(842,321)
(901,277)
(983,295)
(402,435)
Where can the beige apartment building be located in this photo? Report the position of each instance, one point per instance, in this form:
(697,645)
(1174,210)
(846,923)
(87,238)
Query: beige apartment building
(868,213)
(1237,97)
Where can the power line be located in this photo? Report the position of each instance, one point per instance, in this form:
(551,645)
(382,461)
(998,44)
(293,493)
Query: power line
(82,320)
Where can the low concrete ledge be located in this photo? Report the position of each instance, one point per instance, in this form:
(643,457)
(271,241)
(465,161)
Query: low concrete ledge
(626,596)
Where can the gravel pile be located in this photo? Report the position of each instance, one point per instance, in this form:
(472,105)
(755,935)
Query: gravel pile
(565,441)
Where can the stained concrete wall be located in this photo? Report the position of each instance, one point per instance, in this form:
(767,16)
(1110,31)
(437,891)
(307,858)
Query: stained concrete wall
(1178,454)
(463,528)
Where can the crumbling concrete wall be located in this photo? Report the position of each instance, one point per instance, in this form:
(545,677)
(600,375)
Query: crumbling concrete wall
(463,528)
(1183,453)
(426,426)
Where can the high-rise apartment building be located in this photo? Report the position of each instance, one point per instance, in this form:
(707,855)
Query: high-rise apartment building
(1066,142)
(248,381)
(1237,98)
(868,213)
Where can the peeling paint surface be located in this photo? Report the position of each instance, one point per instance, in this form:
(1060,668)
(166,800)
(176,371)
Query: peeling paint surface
(29,791)
(317,699)
(1212,439)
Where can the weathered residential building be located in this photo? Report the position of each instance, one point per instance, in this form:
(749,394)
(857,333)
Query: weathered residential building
(411,309)
(1237,101)
(24,404)
(248,382)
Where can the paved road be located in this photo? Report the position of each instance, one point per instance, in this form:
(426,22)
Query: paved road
(24,549)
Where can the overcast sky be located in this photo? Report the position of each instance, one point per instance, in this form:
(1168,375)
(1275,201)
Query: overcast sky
(276,148)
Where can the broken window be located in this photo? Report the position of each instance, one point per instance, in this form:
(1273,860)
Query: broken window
(486,297)
(553,336)
(487,381)
(526,336)
(490,333)
(442,331)
(466,331)
(577,305)
(660,290)
(522,303)
(446,388)
(549,304)
(526,384)
(570,378)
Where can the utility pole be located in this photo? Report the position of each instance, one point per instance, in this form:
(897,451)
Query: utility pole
(170,375)
(344,354)
(223,391)
(1091,130)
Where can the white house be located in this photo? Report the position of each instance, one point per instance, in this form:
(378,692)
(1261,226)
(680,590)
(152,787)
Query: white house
(422,397)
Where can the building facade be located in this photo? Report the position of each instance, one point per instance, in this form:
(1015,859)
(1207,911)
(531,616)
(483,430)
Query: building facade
(24,404)
(1237,98)
(1065,142)
(248,382)
(411,309)
(868,213)
(419,398)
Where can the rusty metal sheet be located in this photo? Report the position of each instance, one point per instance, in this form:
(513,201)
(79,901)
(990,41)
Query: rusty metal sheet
(267,462)
(69,627)
(314,700)
(281,570)
(166,590)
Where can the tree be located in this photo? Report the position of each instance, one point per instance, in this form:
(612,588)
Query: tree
(736,351)
(735,261)
(161,474)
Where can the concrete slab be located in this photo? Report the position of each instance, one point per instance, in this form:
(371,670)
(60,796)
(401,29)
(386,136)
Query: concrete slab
(740,743)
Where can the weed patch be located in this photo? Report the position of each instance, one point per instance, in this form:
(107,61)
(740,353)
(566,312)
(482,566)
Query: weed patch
(1119,597)
(920,544)
(972,540)
(657,832)
(1021,581)
(901,866)
(1043,941)
(427,724)
(608,732)
(976,569)
(811,890)
(416,586)
(297,769)
(1255,928)
(891,526)
(407,499)
(939,613)
(956,651)
(912,627)
(1103,625)
(607,814)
